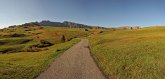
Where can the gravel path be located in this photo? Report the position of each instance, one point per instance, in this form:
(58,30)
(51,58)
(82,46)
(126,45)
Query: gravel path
(75,63)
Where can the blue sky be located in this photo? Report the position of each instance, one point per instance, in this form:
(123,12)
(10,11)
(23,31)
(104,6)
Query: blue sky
(92,12)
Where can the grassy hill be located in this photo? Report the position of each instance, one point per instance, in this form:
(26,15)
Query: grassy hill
(121,54)
(131,54)
(35,38)
(28,50)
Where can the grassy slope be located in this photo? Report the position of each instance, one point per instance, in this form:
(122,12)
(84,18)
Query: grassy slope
(131,54)
(51,34)
(27,65)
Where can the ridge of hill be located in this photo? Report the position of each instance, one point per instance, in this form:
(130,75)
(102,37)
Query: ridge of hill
(59,24)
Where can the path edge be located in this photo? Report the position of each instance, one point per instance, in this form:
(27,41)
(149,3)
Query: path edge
(54,59)
(90,51)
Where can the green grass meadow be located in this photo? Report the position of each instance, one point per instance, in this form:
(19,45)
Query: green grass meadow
(120,54)
(28,65)
(130,54)
(23,55)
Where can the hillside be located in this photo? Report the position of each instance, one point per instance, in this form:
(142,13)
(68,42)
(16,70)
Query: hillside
(34,38)
(130,54)
(30,48)
(120,53)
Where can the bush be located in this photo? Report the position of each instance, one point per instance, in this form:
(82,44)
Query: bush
(39,47)
(86,30)
(101,31)
(32,48)
(63,39)
(69,39)
(43,43)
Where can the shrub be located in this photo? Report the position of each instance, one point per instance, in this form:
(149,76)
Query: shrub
(86,30)
(101,31)
(43,43)
(32,48)
(63,39)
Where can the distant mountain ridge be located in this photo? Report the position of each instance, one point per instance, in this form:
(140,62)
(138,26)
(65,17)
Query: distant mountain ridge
(59,24)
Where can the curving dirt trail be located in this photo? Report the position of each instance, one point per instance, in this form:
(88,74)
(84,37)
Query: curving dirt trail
(75,63)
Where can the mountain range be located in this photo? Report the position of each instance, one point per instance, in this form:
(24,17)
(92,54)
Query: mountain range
(59,24)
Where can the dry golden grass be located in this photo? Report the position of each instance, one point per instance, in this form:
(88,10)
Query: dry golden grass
(27,65)
(131,54)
